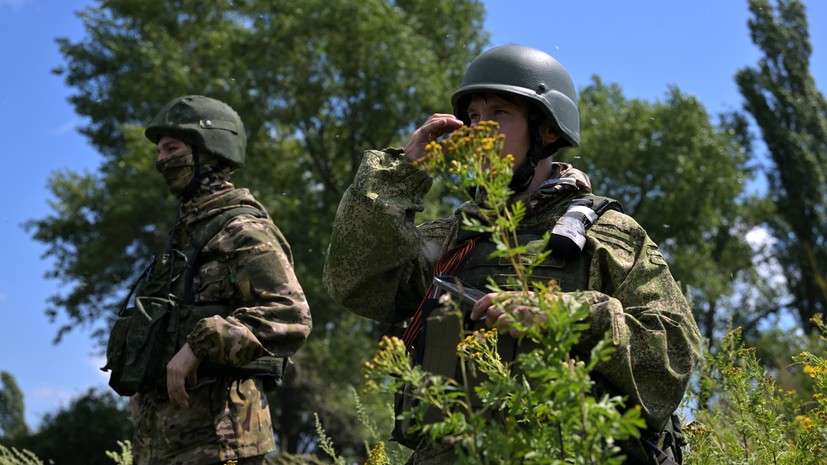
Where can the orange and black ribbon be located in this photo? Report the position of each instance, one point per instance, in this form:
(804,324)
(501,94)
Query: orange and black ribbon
(446,264)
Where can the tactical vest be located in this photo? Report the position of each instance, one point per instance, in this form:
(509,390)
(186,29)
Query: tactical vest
(147,335)
(437,344)
(436,347)
(571,274)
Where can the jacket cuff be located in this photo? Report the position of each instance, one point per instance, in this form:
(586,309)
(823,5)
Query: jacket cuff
(199,336)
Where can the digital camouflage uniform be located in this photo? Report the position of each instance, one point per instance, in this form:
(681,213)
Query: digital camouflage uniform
(248,264)
(380,263)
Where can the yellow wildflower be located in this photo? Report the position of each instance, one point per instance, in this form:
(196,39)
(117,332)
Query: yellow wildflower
(806,423)
(378,456)
(697,428)
(732,371)
(815,371)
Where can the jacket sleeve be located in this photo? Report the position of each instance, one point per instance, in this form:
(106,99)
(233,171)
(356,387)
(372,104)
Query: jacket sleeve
(378,260)
(634,298)
(270,315)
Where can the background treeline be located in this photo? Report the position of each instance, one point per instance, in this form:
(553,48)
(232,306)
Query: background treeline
(317,82)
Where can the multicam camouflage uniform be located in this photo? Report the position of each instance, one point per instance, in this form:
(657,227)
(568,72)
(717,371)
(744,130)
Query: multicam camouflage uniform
(380,263)
(249,265)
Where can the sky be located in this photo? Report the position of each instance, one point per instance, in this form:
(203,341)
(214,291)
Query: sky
(645,46)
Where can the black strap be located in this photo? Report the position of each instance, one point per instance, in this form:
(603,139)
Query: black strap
(598,203)
(147,271)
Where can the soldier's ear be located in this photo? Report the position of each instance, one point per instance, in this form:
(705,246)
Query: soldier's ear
(548,133)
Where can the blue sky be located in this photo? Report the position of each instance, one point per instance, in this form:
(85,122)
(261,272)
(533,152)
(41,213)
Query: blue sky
(643,45)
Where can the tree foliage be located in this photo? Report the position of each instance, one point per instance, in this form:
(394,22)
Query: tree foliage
(683,178)
(751,418)
(12,408)
(81,433)
(316,83)
(781,95)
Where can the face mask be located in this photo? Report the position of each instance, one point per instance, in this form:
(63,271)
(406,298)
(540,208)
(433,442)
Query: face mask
(178,172)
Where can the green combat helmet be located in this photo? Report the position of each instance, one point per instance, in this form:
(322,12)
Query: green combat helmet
(203,122)
(528,72)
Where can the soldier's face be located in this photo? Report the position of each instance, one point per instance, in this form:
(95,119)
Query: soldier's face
(169,147)
(176,164)
(511,115)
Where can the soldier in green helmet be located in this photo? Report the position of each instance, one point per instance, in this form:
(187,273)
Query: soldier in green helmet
(217,313)
(380,264)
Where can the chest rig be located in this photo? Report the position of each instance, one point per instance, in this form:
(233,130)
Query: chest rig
(435,346)
(149,333)
(570,272)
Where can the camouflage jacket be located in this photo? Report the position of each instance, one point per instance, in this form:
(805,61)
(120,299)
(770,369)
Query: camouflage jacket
(249,265)
(380,263)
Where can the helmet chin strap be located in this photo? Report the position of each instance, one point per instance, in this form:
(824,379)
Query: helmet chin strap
(198,174)
(537,151)
(192,188)
(523,176)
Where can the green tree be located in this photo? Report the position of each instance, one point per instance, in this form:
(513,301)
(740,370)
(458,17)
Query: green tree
(82,432)
(683,178)
(316,82)
(781,95)
(12,408)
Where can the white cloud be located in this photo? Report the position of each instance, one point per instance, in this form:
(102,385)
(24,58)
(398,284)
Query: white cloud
(2,296)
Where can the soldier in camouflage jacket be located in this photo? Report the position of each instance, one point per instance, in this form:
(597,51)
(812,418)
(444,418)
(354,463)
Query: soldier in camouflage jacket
(380,263)
(202,408)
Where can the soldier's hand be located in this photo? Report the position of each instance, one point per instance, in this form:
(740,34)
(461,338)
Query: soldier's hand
(437,125)
(501,310)
(182,367)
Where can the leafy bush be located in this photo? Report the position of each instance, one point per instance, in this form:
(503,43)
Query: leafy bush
(742,416)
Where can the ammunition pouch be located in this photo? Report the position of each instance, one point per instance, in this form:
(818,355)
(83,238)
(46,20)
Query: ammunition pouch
(140,345)
(404,431)
(116,355)
(143,342)
(442,332)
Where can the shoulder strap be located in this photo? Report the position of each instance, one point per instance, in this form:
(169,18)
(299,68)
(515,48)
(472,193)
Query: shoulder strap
(598,204)
(206,231)
(134,286)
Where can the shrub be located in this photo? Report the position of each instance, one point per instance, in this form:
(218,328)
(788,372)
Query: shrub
(743,417)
